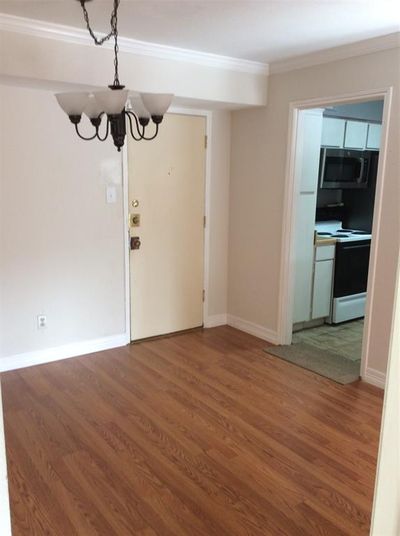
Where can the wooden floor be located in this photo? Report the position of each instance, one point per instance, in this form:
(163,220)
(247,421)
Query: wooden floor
(198,434)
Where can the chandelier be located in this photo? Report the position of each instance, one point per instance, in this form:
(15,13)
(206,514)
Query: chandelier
(111,103)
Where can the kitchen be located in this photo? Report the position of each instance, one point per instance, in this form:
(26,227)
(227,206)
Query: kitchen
(336,169)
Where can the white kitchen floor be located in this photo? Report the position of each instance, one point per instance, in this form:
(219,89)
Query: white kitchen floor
(344,339)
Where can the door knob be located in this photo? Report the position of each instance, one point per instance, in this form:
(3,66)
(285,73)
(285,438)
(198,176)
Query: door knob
(135,242)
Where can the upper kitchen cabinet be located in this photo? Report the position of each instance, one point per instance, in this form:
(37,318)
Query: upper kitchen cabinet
(308,149)
(355,135)
(374,136)
(333,132)
(349,134)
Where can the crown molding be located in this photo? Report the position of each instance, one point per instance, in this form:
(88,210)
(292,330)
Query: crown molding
(361,48)
(69,34)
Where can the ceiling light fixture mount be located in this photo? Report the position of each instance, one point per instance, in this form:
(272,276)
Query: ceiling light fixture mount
(112,102)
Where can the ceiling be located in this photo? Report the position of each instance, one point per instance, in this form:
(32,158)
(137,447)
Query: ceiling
(260,30)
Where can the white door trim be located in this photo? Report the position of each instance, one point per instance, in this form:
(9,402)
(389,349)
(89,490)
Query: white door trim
(289,216)
(125,172)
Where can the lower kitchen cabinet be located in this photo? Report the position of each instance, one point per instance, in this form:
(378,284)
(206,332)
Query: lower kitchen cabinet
(322,281)
(322,289)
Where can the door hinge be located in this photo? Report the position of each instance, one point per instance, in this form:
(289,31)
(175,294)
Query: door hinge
(204,295)
(204,221)
(205,141)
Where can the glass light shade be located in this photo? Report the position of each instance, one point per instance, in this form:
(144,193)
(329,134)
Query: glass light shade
(72,103)
(112,101)
(139,109)
(157,103)
(93,108)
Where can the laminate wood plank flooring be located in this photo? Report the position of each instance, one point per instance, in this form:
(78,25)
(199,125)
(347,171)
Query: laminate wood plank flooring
(199,434)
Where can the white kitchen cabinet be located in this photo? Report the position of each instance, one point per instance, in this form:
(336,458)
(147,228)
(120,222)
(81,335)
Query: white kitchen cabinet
(355,135)
(308,149)
(322,289)
(304,257)
(374,136)
(333,132)
(308,146)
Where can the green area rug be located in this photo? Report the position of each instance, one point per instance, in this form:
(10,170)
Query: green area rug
(323,362)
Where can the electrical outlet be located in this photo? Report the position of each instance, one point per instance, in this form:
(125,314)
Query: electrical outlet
(41,321)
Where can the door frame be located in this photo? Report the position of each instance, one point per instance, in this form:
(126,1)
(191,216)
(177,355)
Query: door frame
(207,193)
(285,315)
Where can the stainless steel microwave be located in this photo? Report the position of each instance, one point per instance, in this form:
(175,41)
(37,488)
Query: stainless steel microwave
(343,168)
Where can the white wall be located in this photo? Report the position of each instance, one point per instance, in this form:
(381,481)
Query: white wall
(386,509)
(61,244)
(259,143)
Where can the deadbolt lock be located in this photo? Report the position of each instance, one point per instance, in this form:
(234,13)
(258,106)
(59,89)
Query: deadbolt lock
(135,242)
(134,220)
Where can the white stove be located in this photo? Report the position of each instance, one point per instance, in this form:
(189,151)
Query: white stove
(350,270)
(333,229)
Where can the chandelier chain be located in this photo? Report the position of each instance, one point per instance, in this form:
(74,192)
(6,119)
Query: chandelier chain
(114,23)
(112,33)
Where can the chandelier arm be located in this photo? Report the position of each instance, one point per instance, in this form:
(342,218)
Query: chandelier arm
(100,41)
(129,114)
(106,133)
(83,137)
(151,137)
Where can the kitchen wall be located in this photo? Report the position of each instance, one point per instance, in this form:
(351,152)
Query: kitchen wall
(365,111)
(258,164)
(61,245)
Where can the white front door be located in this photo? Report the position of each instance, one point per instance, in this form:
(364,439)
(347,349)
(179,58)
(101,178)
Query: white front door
(166,195)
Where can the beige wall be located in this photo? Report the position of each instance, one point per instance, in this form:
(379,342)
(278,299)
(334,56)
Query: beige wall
(50,60)
(386,510)
(61,244)
(5,521)
(259,142)
(219,214)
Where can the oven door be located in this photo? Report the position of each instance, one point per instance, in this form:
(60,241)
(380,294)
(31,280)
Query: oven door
(351,268)
(340,168)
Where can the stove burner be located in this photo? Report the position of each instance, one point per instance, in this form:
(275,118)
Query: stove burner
(341,235)
(359,232)
(344,231)
(324,234)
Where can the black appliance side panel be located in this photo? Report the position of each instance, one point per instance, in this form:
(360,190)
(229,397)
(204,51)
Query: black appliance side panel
(360,203)
(351,268)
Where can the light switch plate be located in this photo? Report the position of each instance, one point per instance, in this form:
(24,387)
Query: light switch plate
(111,194)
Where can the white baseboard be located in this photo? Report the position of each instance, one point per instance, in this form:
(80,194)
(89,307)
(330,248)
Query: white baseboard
(374,377)
(57,353)
(254,329)
(215,320)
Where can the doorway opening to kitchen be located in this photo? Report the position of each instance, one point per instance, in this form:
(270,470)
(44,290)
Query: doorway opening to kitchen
(335,172)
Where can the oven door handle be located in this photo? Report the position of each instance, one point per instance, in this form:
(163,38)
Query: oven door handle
(357,246)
